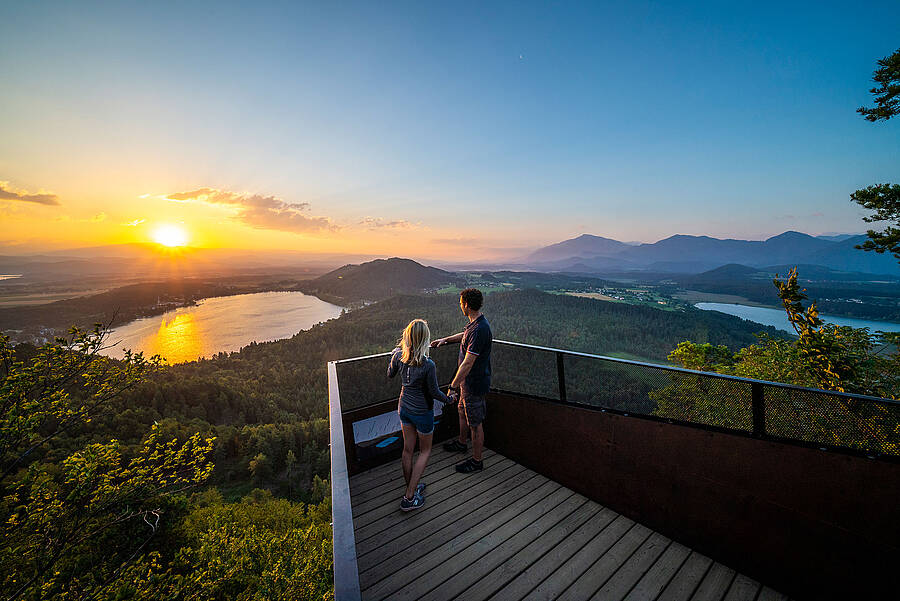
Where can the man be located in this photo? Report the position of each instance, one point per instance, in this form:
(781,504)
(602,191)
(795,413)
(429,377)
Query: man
(473,378)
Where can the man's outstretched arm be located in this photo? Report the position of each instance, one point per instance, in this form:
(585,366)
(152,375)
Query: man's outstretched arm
(447,340)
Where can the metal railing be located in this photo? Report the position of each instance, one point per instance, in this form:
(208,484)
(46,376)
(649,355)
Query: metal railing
(769,410)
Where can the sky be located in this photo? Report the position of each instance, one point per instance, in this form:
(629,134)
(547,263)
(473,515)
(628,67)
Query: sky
(449,130)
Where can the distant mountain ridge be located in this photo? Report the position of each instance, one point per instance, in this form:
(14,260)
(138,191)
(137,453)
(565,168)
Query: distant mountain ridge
(695,254)
(585,245)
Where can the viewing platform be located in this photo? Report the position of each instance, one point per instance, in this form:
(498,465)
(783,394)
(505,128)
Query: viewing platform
(612,479)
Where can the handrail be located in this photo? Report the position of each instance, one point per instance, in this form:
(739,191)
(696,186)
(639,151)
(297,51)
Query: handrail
(346,571)
(362,358)
(695,372)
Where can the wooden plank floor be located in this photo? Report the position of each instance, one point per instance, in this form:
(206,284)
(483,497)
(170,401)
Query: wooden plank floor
(508,533)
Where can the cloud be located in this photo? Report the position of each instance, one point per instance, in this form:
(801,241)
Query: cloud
(264,212)
(379,223)
(43,198)
(134,223)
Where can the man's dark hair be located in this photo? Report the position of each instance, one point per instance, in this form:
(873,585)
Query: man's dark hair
(473,298)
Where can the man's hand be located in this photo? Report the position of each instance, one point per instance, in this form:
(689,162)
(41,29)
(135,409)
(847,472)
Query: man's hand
(438,342)
(452,395)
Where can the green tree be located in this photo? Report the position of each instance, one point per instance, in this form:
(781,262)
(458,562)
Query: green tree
(822,356)
(259,549)
(260,468)
(72,527)
(884,199)
(37,404)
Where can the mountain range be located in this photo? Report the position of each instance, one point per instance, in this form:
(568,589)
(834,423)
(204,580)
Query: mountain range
(696,254)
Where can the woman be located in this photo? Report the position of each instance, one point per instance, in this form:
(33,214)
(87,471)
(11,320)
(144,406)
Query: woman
(420,389)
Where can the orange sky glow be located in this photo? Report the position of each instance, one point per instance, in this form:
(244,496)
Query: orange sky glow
(212,218)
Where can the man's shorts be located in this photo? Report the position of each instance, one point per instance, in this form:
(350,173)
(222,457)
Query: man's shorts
(473,408)
(423,423)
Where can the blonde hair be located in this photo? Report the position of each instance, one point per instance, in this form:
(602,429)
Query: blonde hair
(415,342)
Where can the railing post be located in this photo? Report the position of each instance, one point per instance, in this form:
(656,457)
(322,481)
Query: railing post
(561,376)
(757,395)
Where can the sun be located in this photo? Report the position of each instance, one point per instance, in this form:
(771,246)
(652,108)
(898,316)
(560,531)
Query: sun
(170,235)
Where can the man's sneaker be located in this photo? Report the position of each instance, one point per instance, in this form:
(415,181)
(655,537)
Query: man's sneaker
(470,465)
(420,488)
(454,446)
(409,505)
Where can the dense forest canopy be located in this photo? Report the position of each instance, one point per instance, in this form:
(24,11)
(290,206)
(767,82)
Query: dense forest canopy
(263,411)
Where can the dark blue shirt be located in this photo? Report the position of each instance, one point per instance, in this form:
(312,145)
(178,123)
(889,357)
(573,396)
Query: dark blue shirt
(477,338)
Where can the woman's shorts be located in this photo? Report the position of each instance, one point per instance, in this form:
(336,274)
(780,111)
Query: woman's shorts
(424,423)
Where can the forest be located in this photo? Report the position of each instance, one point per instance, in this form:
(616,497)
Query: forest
(261,475)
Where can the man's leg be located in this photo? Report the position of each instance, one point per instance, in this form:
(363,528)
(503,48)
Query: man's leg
(474,412)
(463,424)
(477,441)
(419,466)
(409,445)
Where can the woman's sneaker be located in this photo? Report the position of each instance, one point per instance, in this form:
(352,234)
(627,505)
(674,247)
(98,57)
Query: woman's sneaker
(454,446)
(409,505)
(420,488)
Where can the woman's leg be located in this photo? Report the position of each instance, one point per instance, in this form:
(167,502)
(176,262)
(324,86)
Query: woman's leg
(419,466)
(409,445)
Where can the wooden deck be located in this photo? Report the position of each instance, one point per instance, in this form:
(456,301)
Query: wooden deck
(510,533)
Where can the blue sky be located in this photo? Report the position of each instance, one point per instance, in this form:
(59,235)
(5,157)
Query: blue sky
(491,124)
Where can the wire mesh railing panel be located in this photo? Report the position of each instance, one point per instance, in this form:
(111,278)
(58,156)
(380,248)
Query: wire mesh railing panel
(365,382)
(648,390)
(705,399)
(446,360)
(612,385)
(526,370)
(827,419)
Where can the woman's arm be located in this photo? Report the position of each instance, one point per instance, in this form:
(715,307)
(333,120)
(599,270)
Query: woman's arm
(394,364)
(433,387)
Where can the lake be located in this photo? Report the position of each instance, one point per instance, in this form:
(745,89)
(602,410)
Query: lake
(778,318)
(225,323)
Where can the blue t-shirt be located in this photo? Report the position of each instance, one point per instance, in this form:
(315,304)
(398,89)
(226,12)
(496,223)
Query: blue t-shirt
(477,338)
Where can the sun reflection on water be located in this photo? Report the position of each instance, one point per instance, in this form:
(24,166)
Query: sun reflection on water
(178,339)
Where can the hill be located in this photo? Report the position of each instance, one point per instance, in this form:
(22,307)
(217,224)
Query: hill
(377,280)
